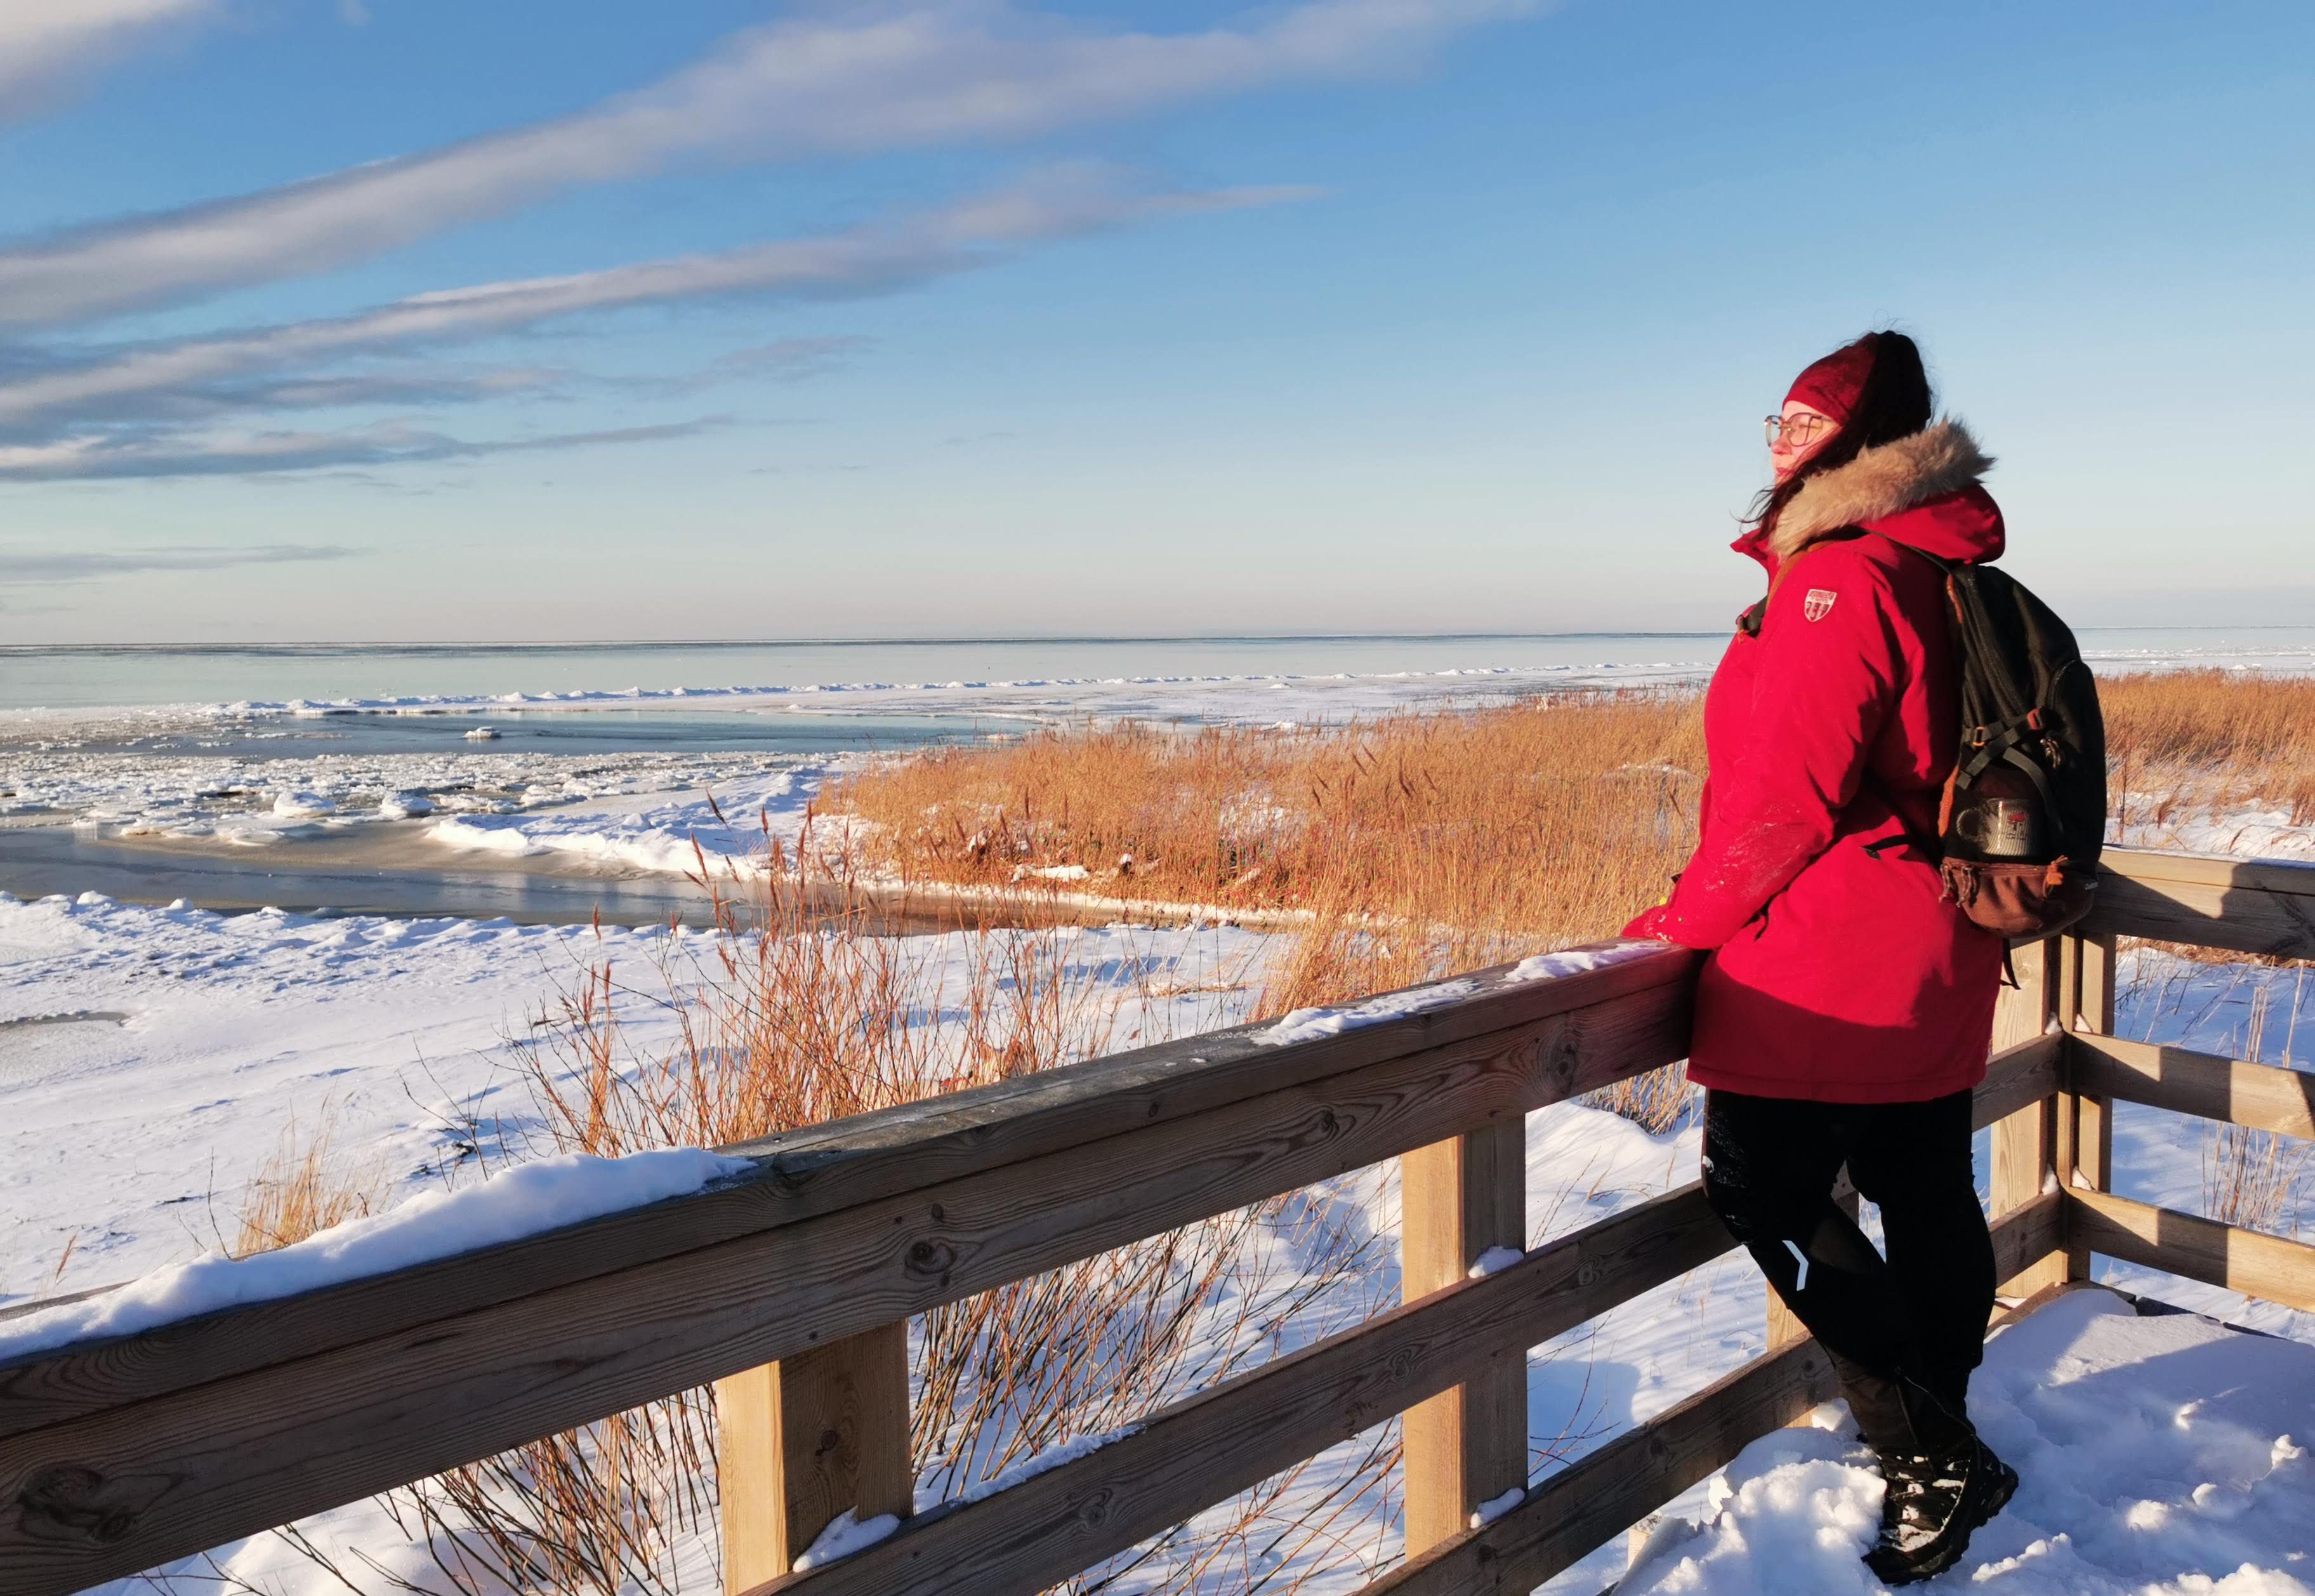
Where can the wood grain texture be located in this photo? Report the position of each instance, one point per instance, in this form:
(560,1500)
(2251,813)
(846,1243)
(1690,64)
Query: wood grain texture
(2018,1078)
(801,1440)
(2025,1143)
(134,1484)
(2086,1116)
(2245,1261)
(831,1169)
(1586,1504)
(1469,1443)
(2210,1085)
(1208,1448)
(2248,906)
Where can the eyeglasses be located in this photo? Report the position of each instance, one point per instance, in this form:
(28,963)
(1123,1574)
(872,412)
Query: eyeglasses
(1800,431)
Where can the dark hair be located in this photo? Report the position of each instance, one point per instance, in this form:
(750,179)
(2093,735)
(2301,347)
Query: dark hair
(1896,403)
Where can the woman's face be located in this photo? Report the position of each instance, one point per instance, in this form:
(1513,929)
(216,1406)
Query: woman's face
(1800,433)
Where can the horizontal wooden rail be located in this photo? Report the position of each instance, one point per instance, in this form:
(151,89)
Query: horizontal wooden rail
(1578,1509)
(2218,1255)
(119,1455)
(2246,906)
(128,1453)
(1208,1448)
(2210,1085)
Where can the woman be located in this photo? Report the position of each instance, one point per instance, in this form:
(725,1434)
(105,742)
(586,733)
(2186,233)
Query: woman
(1845,1010)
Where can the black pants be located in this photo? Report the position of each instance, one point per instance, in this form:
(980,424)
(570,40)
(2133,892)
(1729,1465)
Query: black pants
(1768,1168)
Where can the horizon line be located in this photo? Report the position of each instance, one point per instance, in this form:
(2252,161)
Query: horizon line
(608,645)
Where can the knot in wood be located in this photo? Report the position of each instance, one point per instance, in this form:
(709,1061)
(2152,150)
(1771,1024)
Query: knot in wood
(930,1258)
(1093,1512)
(72,1503)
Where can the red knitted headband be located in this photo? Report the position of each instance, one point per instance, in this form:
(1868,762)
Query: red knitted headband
(1835,384)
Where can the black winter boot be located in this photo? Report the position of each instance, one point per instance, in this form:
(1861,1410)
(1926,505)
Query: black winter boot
(1942,1482)
(1935,1502)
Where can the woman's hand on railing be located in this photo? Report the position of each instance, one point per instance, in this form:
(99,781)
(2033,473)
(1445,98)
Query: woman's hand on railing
(1649,926)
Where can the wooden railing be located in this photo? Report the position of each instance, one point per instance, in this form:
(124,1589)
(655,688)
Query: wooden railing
(792,1288)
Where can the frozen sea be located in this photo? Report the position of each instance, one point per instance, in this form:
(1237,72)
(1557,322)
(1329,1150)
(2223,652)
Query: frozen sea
(545,781)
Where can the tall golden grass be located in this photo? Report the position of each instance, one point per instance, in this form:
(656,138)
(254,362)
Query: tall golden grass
(1468,835)
(798,1011)
(2210,740)
(1407,847)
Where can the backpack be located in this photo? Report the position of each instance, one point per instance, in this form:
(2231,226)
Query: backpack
(2022,819)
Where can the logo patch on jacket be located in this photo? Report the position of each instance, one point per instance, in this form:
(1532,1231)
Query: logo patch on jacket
(1818,603)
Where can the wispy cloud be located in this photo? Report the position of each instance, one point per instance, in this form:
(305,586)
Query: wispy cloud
(47,47)
(940,74)
(26,566)
(386,443)
(121,410)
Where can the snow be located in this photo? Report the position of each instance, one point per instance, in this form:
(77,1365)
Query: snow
(127,1134)
(2154,1456)
(1496,1507)
(1494,1261)
(188,1037)
(1053,1458)
(1576,961)
(846,1533)
(526,1199)
(177,1043)
(1308,1024)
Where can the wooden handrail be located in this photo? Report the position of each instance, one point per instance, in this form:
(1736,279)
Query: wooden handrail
(2229,1256)
(1579,1508)
(2246,906)
(154,1446)
(2210,1085)
(118,1454)
(1558,1037)
(1208,1448)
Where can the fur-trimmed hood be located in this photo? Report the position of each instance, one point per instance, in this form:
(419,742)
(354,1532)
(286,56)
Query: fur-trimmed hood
(1922,490)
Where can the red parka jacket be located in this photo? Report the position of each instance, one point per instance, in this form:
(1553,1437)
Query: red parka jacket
(1838,972)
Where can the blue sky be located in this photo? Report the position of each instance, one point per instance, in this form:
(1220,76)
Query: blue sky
(421,319)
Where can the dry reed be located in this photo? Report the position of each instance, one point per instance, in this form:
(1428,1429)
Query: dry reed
(2204,741)
(304,1187)
(1411,846)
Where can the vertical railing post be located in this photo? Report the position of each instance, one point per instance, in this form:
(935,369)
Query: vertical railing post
(2024,1144)
(1468,1445)
(802,1439)
(2086,1150)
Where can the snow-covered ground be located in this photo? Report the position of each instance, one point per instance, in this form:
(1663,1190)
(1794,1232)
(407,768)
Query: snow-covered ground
(2156,1455)
(151,1058)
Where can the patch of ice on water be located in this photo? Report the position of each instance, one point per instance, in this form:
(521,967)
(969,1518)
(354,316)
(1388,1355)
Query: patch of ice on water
(1308,1024)
(524,1200)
